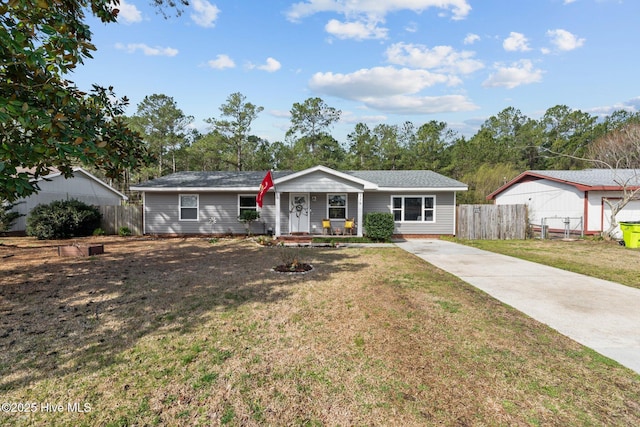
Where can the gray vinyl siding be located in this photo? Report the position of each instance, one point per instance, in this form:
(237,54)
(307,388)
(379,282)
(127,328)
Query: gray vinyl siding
(161,214)
(319,209)
(445,212)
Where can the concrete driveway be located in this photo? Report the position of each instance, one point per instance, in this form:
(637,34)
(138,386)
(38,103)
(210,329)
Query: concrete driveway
(602,315)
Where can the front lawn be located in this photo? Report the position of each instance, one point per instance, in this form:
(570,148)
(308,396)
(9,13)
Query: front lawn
(199,332)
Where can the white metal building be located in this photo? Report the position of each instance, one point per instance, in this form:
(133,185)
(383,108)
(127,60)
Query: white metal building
(576,196)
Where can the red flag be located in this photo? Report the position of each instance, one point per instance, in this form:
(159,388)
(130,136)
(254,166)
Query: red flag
(267,183)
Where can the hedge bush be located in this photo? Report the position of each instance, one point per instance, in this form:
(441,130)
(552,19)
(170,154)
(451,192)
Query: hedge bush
(62,219)
(7,216)
(379,226)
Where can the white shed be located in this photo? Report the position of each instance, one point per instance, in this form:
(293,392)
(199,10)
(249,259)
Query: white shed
(82,186)
(575,197)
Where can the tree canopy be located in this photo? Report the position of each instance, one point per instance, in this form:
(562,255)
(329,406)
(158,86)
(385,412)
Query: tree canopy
(505,145)
(234,126)
(45,120)
(165,128)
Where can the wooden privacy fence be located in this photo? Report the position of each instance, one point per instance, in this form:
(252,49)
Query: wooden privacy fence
(492,222)
(114,217)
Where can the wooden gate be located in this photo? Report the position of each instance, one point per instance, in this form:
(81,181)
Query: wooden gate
(492,222)
(114,217)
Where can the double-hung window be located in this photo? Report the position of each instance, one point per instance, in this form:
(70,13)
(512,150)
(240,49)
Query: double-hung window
(337,206)
(247,203)
(188,207)
(413,208)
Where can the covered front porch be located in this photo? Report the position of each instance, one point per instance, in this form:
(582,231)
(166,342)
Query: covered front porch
(319,201)
(316,214)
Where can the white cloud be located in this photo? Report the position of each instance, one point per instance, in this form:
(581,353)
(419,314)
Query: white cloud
(351,118)
(272,65)
(147,50)
(519,73)
(376,82)
(563,40)
(205,13)
(391,90)
(364,16)
(359,30)
(280,113)
(402,104)
(471,38)
(412,27)
(632,106)
(375,8)
(516,42)
(129,13)
(569,1)
(440,58)
(221,62)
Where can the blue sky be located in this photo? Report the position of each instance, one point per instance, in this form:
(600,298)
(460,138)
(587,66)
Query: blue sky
(378,61)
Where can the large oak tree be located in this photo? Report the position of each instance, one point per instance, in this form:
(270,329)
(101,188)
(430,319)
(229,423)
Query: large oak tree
(45,120)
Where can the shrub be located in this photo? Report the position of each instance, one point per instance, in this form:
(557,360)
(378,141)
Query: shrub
(7,216)
(124,232)
(99,232)
(62,219)
(248,217)
(379,226)
(265,240)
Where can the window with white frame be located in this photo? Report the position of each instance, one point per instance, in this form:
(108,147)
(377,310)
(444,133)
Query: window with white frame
(188,207)
(336,206)
(247,202)
(413,208)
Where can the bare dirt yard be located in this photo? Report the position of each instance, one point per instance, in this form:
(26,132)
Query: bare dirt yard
(203,332)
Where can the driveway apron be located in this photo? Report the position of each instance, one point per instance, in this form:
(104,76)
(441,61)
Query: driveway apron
(602,315)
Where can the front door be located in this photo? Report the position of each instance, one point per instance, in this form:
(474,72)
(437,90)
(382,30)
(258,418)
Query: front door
(299,213)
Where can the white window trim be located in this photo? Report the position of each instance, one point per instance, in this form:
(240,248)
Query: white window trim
(414,196)
(346,206)
(247,207)
(197,208)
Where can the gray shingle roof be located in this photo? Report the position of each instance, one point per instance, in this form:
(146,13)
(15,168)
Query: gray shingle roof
(249,179)
(594,177)
(221,179)
(407,179)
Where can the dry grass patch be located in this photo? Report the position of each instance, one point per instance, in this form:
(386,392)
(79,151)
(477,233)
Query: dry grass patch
(185,332)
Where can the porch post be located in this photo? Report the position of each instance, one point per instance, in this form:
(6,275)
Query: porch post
(360,216)
(277,214)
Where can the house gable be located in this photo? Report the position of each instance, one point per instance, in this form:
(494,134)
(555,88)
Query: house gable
(327,176)
(320,181)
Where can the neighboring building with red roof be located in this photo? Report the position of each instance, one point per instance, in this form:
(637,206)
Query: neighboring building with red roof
(578,195)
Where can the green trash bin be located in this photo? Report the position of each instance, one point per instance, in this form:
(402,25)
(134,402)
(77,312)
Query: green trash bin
(631,233)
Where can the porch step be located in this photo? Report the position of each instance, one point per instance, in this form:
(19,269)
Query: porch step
(303,238)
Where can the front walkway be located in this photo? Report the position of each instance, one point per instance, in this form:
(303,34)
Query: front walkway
(599,314)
